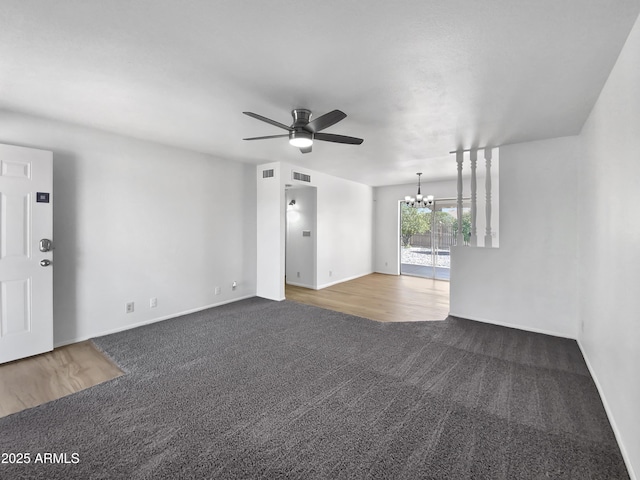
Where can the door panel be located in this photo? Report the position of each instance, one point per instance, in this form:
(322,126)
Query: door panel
(26,287)
(14,226)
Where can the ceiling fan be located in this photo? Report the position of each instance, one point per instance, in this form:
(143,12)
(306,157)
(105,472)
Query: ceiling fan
(304,131)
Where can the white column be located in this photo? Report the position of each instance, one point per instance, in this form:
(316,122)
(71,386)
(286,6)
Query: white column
(459,237)
(474,207)
(487,236)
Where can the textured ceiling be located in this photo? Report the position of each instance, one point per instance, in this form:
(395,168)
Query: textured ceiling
(416,78)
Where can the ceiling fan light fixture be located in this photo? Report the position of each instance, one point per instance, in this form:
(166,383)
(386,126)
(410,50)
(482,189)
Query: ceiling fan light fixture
(301,139)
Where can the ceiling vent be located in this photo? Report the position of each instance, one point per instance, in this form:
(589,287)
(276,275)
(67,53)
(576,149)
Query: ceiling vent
(267,173)
(303,177)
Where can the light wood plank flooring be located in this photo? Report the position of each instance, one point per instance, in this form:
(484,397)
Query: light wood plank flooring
(69,369)
(385,298)
(42,378)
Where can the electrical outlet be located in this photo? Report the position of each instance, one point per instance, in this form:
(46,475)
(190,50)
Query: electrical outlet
(234,285)
(129,307)
(153,302)
(298,274)
(217,290)
(330,273)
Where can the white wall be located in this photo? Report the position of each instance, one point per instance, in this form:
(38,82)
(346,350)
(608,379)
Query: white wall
(344,224)
(387,219)
(270,226)
(301,252)
(135,220)
(345,230)
(609,253)
(530,282)
(387,210)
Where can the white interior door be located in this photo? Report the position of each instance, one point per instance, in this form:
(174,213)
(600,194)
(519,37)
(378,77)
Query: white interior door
(26,269)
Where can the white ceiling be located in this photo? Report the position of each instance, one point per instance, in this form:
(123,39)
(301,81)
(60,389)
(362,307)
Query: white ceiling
(416,78)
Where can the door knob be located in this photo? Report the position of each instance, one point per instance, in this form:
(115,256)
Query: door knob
(45,263)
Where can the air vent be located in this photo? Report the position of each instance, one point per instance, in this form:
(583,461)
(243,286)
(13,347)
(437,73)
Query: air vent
(267,173)
(303,177)
(306,233)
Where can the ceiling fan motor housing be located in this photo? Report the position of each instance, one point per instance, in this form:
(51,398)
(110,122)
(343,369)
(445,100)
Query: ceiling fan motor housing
(301,117)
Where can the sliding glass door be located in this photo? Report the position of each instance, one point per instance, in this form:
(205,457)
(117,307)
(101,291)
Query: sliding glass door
(427,235)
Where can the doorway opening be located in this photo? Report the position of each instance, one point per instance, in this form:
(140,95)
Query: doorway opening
(300,236)
(427,235)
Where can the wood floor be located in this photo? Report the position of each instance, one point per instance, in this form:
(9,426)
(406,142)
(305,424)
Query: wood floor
(36,380)
(385,298)
(69,369)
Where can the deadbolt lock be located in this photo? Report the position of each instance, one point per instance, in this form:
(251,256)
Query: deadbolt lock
(45,245)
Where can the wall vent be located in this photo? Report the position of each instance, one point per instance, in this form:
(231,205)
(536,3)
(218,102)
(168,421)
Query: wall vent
(303,177)
(306,233)
(267,173)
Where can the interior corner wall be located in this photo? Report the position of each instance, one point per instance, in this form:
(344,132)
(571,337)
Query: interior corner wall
(344,224)
(270,228)
(387,219)
(530,282)
(387,211)
(345,230)
(135,220)
(344,227)
(609,249)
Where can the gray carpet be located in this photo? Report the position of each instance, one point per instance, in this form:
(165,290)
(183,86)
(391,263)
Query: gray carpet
(261,389)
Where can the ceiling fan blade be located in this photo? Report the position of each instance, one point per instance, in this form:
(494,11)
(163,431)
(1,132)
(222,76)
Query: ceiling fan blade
(330,137)
(267,120)
(325,121)
(268,136)
(306,150)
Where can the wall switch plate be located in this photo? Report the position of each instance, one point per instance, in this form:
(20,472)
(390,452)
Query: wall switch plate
(153,302)
(129,307)
(217,290)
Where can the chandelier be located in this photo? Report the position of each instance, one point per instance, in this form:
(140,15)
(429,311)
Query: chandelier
(419,200)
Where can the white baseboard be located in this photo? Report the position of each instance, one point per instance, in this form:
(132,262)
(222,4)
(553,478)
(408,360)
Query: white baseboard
(512,325)
(607,410)
(145,322)
(297,284)
(325,285)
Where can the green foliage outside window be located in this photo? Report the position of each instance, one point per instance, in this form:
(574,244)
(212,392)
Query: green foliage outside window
(414,222)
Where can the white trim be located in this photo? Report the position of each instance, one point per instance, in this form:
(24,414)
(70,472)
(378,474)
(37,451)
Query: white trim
(325,285)
(303,285)
(607,409)
(513,325)
(146,322)
(274,299)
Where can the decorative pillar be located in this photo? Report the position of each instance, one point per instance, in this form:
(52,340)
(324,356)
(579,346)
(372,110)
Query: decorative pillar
(474,208)
(459,159)
(488,239)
